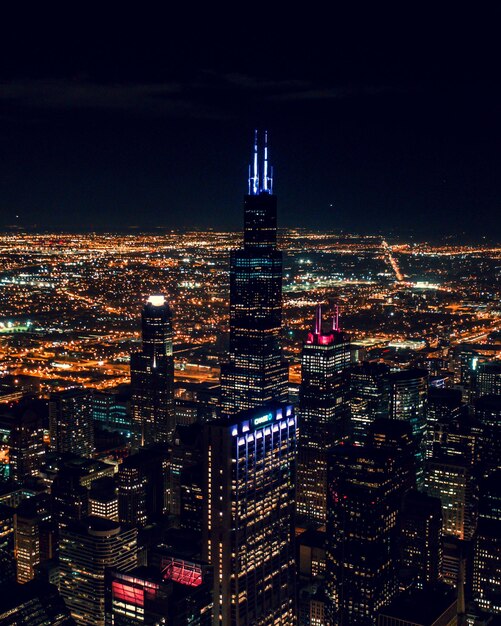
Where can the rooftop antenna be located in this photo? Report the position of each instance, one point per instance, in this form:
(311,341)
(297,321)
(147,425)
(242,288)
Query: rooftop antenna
(335,318)
(255,177)
(265,168)
(318,320)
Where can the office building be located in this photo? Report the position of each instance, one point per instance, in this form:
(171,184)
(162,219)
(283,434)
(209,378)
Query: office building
(249,515)
(70,422)
(451,480)
(444,406)
(364,496)
(85,551)
(142,486)
(111,410)
(24,431)
(369,397)
(103,499)
(186,453)
(178,594)
(152,376)
(488,413)
(488,379)
(408,402)
(420,540)
(487,547)
(324,412)
(255,372)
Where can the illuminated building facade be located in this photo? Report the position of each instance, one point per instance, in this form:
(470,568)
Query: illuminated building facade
(111,411)
(249,515)
(369,397)
(103,499)
(324,412)
(70,422)
(26,446)
(488,379)
(85,551)
(452,482)
(364,498)
(408,402)
(152,376)
(255,373)
(33,535)
(178,594)
(487,547)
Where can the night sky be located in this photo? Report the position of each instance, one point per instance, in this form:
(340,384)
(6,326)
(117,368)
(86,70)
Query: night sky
(378,121)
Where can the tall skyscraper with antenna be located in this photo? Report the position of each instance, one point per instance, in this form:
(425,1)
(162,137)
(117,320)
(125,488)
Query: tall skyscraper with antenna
(152,376)
(255,372)
(324,411)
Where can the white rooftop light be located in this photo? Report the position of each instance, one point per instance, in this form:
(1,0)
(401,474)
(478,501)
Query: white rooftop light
(157,300)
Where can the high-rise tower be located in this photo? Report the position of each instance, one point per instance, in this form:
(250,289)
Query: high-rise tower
(248,522)
(255,372)
(324,412)
(152,376)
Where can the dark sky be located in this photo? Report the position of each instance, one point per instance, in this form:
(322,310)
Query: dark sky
(378,120)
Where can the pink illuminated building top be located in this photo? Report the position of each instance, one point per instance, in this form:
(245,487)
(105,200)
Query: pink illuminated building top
(320,338)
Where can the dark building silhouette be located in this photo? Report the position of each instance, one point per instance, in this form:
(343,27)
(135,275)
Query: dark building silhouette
(364,496)
(432,606)
(33,604)
(186,453)
(396,437)
(488,413)
(444,406)
(142,481)
(420,540)
(249,515)
(255,372)
(70,422)
(324,412)
(408,402)
(152,376)
(369,397)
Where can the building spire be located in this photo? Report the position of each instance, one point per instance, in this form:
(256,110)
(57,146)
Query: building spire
(318,320)
(260,181)
(335,318)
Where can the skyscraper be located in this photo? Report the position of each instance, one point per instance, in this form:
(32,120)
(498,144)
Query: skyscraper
(369,396)
(408,401)
(70,421)
(85,551)
(152,376)
(249,515)
(421,539)
(324,412)
(487,550)
(255,372)
(364,498)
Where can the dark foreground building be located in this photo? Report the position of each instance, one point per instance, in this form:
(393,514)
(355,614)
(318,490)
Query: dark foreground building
(35,603)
